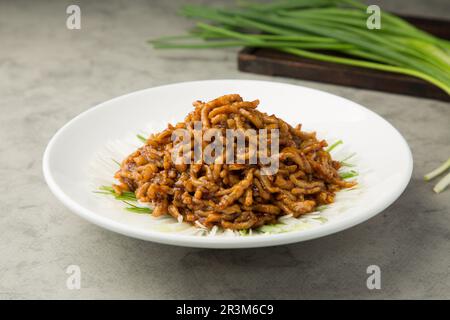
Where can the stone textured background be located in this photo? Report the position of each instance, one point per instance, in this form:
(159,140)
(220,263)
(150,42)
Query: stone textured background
(49,74)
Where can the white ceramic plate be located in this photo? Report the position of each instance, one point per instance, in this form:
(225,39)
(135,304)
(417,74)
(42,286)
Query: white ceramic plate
(382,153)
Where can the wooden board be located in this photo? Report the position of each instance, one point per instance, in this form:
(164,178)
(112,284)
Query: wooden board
(275,63)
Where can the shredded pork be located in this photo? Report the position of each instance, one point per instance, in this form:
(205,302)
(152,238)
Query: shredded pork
(232,196)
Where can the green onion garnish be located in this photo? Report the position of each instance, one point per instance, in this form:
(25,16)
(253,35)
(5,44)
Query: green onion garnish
(334,145)
(346,164)
(348,174)
(125,197)
(142,138)
(107,190)
(136,209)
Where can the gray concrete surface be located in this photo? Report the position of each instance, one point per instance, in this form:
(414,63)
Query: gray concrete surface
(49,74)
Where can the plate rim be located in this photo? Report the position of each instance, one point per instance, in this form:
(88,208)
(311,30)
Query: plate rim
(219,242)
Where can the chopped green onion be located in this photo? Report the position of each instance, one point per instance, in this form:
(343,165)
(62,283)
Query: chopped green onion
(348,157)
(439,170)
(348,174)
(106,188)
(142,138)
(136,209)
(126,195)
(442,184)
(346,164)
(334,145)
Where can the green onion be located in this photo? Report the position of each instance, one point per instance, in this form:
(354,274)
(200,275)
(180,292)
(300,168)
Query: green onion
(334,145)
(348,174)
(442,184)
(346,164)
(439,170)
(283,5)
(136,209)
(142,138)
(351,155)
(125,197)
(139,210)
(371,65)
(314,29)
(107,190)
(278,44)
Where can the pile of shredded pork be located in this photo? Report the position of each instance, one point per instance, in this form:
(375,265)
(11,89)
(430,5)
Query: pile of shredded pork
(232,196)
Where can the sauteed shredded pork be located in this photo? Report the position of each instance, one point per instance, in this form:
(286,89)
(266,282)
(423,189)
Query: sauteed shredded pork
(232,195)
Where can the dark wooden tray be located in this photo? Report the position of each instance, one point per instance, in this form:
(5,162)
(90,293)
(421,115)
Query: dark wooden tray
(275,63)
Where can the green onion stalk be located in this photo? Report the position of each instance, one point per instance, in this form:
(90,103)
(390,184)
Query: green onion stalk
(444,182)
(326,30)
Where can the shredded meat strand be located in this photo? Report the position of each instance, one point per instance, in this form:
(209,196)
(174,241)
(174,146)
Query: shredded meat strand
(233,196)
